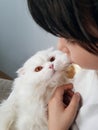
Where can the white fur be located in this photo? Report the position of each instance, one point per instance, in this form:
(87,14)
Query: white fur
(26,107)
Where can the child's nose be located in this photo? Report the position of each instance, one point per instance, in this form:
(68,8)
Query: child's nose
(62,45)
(51,66)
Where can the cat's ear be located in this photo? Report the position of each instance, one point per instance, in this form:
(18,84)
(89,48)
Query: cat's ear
(20,71)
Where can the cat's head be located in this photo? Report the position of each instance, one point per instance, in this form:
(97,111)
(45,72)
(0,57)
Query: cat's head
(44,65)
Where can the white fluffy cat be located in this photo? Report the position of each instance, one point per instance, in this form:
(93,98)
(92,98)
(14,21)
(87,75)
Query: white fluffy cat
(26,107)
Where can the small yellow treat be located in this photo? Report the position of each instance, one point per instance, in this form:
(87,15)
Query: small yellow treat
(70,72)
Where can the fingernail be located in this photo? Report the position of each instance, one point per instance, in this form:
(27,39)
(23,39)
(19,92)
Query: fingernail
(78,95)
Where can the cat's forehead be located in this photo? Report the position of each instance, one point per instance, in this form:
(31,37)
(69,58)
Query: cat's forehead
(42,56)
(37,59)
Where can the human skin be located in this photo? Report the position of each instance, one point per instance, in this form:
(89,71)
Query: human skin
(78,55)
(61,117)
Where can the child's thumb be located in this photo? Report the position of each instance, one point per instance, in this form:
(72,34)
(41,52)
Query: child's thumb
(74,105)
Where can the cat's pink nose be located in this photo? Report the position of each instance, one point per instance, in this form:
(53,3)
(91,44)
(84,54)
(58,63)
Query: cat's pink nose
(51,66)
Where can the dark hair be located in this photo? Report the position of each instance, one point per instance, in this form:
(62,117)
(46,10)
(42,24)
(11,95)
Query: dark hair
(70,19)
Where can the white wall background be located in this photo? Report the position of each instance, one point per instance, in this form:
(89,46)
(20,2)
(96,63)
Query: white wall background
(20,37)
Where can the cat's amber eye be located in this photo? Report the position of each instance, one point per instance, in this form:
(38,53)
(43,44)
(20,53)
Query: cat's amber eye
(38,68)
(52,59)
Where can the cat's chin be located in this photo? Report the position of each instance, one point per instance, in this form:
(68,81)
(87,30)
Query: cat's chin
(53,74)
(56,74)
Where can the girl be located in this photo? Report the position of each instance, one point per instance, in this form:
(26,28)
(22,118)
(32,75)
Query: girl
(75,22)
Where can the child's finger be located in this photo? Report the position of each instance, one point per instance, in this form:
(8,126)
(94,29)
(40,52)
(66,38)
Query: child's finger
(74,104)
(67,96)
(60,90)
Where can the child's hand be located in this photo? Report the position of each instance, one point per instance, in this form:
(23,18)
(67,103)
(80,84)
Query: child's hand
(61,116)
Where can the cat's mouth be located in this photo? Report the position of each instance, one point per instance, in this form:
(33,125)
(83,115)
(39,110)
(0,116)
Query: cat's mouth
(54,71)
(58,69)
